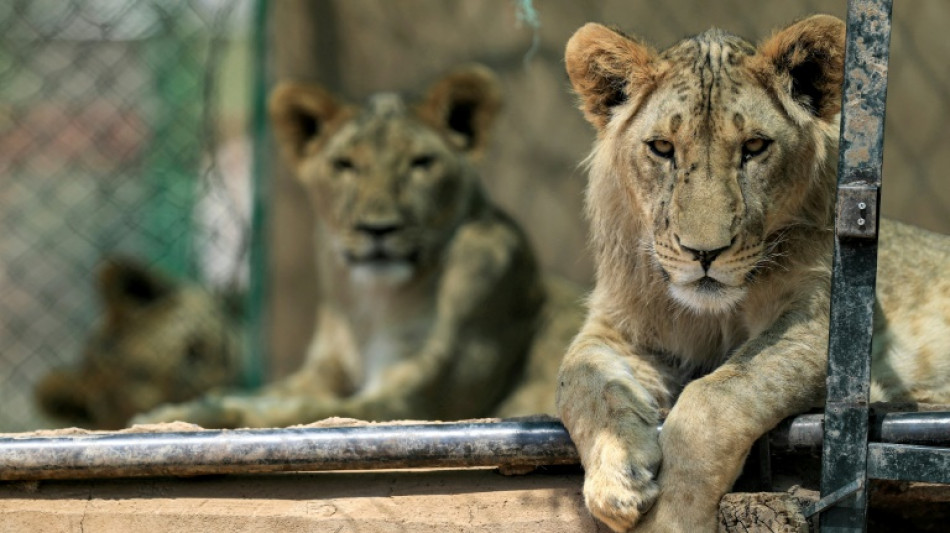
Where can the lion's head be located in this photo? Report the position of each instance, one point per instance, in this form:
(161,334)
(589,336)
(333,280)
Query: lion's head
(709,152)
(390,180)
(157,341)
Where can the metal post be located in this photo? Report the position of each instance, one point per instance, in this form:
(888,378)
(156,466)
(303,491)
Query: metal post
(845,447)
(256,316)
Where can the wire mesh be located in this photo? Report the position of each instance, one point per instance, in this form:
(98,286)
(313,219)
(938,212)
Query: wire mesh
(121,132)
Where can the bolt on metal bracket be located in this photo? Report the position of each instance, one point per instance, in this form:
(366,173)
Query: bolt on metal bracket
(857,211)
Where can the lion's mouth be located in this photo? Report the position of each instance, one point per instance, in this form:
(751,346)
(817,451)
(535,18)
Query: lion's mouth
(708,294)
(707,284)
(380,257)
(379,267)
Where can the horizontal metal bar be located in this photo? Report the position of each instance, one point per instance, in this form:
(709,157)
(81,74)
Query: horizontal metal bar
(370,447)
(805,432)
(294,449)
(908,462)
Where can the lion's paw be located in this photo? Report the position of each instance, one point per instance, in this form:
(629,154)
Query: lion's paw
(620,497)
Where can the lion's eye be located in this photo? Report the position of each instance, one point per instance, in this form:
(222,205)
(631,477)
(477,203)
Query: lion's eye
(341,164)
(754,147)
(422,162)
(661,147)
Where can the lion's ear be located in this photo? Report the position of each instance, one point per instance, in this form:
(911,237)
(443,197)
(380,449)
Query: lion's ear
(127,285)
(808,60)
(464,105)
(607,68)
(300,114)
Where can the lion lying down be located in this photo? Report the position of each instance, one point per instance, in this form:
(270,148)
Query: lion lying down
(711,198)
(159,340)
(434,307)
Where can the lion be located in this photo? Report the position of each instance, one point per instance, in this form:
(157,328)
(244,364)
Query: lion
(711,206)
(158,340)
(433,303)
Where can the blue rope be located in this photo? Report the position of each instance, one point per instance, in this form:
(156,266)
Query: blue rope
(528,15)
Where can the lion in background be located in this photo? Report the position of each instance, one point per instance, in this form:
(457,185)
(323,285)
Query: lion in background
(711,204)
(434,306)
(158,340)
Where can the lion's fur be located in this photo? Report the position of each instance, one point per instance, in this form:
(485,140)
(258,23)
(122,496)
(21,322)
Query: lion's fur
(432,304)
(710,201)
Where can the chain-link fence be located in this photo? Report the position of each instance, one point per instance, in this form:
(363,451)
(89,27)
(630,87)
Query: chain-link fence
(122,133)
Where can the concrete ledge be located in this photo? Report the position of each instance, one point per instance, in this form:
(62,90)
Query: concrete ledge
(476,500)
(428,501)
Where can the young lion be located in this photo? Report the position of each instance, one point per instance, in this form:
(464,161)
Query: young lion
(159,340)
(710,200)
(434,306)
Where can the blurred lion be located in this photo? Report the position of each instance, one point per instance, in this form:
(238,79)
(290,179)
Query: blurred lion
(433,303)
(159,340)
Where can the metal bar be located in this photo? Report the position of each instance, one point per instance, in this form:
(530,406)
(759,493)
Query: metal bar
(804,433)
(844,453)
(507,443)
(174,152)
(910,463)
(834,497)
(257,321)
(276,450)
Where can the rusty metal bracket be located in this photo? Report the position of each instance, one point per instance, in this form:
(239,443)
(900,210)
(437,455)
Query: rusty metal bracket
(834,497)
(857,211)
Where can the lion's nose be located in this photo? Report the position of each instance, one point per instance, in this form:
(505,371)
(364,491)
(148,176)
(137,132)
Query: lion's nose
(705,257)
(378,229)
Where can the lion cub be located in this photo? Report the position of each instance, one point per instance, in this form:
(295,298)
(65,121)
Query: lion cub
(433,303)
(159,340)
(710,199)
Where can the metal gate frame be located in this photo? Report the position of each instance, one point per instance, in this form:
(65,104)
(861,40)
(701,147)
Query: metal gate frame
(848,459)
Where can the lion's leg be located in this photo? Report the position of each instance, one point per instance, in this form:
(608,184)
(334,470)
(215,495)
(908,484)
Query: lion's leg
(716,420)
(608,401)
(282,403)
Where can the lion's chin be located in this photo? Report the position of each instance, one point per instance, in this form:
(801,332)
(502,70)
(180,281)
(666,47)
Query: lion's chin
(708,296)
(382,273)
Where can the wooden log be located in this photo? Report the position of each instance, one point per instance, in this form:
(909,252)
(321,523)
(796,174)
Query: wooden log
(765,512)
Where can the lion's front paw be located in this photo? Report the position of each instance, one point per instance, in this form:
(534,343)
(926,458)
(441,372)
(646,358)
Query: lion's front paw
(619,497)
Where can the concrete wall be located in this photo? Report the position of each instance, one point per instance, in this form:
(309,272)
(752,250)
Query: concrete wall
(357,47)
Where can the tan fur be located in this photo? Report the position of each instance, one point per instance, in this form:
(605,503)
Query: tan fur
(434,306)
(710,201)
(158,341)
